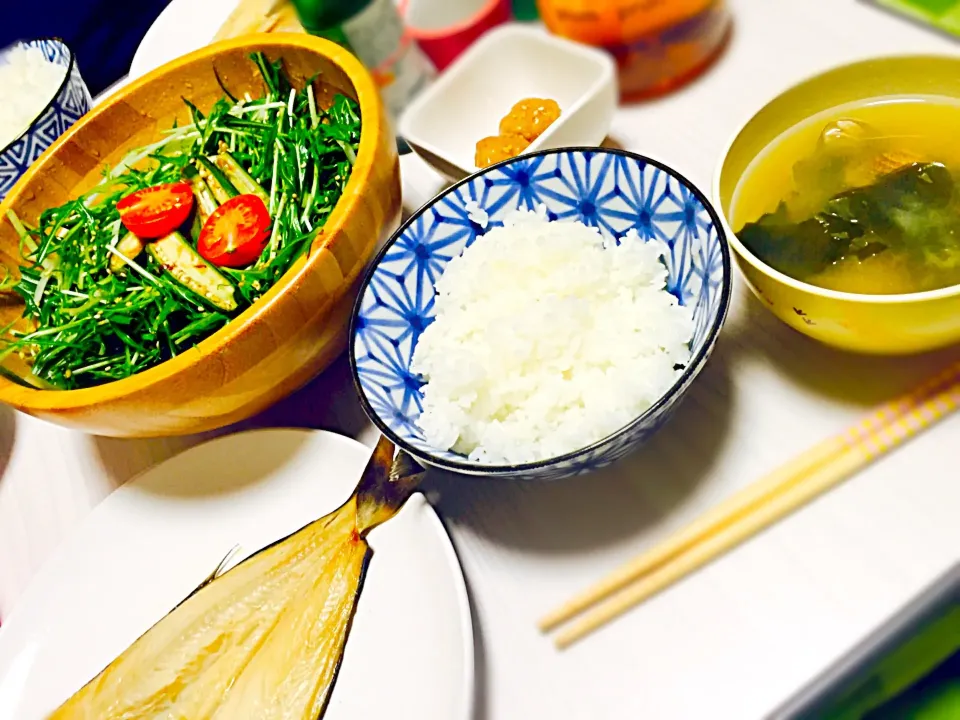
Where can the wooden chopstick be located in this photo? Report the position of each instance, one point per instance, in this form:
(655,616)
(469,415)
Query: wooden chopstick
(711,521)
(758,506)
(747,499)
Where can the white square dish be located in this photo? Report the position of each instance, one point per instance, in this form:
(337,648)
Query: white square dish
(443,124)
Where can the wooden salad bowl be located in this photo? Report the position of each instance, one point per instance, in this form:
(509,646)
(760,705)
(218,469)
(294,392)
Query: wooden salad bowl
(296,329)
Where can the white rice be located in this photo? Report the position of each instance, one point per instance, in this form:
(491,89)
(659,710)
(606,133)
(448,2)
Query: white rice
(547,339)
(476,214)
(28,81)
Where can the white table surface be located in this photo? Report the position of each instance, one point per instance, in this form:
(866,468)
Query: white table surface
(734,640)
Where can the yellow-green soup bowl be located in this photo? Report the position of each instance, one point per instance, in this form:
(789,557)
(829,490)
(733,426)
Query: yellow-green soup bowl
(875,324)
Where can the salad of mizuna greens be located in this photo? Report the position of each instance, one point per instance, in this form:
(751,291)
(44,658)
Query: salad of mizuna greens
(181,236)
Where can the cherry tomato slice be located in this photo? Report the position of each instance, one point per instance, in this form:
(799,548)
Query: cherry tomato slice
(156,211)
(236,233)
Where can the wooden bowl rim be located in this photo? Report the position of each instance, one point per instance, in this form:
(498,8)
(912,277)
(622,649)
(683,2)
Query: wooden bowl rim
(371,131)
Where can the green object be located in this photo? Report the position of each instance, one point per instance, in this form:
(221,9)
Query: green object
(897,680)
(91,325)
(217,181)
(936,697)
(942,14)
(373,31)
(905,210)
(238,177)
(325,18)
(525,10)
(184,263)
(206,203)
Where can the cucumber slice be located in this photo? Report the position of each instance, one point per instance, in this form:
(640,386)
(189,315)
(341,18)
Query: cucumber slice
(184,263)
(220,186)
(206,202)
(240,178)
(129,246)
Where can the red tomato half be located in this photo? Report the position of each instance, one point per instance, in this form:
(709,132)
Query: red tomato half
(156,211)
(236,233)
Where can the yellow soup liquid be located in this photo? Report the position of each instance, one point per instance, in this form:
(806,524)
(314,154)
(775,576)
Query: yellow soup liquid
(831,153)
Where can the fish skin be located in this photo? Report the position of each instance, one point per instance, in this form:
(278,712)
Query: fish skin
(265,639)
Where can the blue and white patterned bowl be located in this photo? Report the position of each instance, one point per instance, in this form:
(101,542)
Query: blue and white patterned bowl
(71,101)
(612,190)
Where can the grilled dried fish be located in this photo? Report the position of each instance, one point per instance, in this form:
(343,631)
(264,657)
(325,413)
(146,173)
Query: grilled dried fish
(263,640)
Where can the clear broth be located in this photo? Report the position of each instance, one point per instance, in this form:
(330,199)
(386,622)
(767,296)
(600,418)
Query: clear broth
(919,128)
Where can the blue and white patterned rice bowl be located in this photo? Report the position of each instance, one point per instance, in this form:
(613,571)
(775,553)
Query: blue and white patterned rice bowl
(71,101)
(612,190)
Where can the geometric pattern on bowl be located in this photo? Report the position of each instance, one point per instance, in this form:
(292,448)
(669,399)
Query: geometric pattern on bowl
(612,190)
(71,101)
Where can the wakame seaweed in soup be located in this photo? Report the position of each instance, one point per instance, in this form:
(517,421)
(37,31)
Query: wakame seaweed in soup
(862,199)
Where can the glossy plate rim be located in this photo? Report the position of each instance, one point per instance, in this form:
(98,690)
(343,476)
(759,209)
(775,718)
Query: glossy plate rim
(45,584)
(161,43)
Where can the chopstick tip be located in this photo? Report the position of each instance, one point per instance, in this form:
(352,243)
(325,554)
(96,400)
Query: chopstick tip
(547,623)
(565,639)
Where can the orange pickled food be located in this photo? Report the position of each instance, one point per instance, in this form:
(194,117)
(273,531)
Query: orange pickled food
(530,117)
(525,122)
(496,148)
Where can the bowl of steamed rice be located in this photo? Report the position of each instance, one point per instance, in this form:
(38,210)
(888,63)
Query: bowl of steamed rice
(544,316)
(43,96)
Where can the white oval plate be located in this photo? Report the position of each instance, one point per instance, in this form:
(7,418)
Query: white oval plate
(147,546)
(182,27)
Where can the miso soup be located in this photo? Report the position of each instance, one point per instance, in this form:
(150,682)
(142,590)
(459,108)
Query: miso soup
(863,198)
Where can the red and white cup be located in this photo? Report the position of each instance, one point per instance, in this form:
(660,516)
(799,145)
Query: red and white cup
(445,28)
